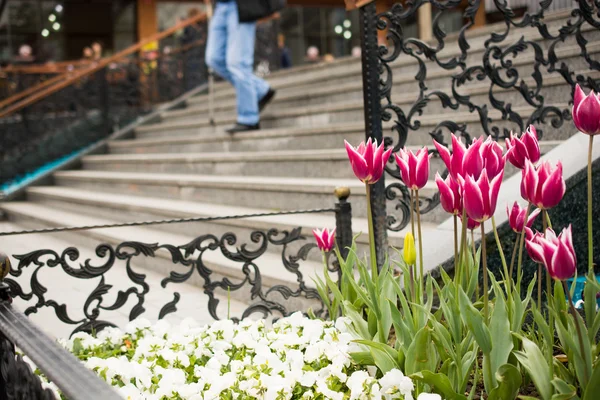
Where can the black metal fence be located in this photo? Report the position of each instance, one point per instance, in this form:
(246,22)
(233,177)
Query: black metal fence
(494,82)
(189,263)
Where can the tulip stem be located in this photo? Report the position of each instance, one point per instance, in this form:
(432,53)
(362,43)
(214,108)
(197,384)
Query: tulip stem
(463,246)
(579,334)
(412,267)
(521,243)
(507,284)
(417,210)
(474,258)
(485,273)
(514,256)
(455,243)
(590,208)
(374,272)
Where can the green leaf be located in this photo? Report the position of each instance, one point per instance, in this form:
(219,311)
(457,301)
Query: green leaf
(509,381)
(358,321)
(502,341)
(420,352)
(590,292)
(439,383)
(532,359)
(593,387)
(565,391)
(385,357)
(474,320)
(363,358)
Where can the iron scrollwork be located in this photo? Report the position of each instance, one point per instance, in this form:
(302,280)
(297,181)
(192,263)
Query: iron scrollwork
(263,300)
(504,61)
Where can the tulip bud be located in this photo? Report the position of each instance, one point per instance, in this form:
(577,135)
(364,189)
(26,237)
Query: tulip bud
(414,167)
(541,185)
(516,217)
(325,238)
(368,160)
(410,254)
(524,148)
(556,253)
(586,111)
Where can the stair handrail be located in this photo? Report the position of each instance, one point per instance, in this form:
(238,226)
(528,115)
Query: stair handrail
(95,67)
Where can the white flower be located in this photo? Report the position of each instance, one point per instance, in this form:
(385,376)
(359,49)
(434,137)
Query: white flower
(429,396)
(356,384)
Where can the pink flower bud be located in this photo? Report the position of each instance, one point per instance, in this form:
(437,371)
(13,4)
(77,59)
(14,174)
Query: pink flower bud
(325,238)
(542,186)
(556,253)
(414,167)
(524,148)
(450,194)
(368,160)
(480,196)
(516,217)
(586,111)
(493,158)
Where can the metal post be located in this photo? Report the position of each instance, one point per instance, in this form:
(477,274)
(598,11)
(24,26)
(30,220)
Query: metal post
(373,124)
(343,221)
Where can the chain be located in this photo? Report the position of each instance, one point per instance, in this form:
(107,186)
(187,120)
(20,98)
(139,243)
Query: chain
(163,221)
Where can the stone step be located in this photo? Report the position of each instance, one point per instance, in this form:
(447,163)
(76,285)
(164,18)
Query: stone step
(337,73)
(350,112)
(553,91)
(272,272)
(268,140)
(272,193)
(137,208)
(315,163)
(74,292)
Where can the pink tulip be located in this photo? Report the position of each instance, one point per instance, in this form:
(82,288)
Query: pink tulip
(479,156)
(480,196)
(368,160)
(516,217)
(450,194)
(556,253)
(542,186)
(414,167)
(493,158)
(586,111)
(524,148)
(325,238)
(454,160)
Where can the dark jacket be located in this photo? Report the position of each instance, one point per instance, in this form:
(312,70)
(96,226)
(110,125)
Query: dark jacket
(253,10)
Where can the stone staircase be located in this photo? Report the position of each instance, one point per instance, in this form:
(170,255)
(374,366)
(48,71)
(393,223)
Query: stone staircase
(181,166)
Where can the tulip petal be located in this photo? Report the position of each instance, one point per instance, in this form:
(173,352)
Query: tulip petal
(358,163)
(553,189)
(532,217)
(562,266)
(422,172)
(473,200)
(535,251)
(446,196)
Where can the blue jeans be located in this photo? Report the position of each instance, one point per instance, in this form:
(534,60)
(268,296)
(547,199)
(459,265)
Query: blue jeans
(230,53)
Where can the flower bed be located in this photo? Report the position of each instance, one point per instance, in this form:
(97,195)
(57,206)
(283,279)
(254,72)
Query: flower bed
(297,358)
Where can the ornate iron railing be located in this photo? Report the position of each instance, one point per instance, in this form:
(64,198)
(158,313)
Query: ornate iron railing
(24,280)
(494,82)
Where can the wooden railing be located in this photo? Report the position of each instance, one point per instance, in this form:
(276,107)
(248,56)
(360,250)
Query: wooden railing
(53,85)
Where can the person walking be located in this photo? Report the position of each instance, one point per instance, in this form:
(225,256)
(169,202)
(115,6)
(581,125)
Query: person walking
(230,53)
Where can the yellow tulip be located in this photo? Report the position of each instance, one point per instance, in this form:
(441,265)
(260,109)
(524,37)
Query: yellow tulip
(410,254)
